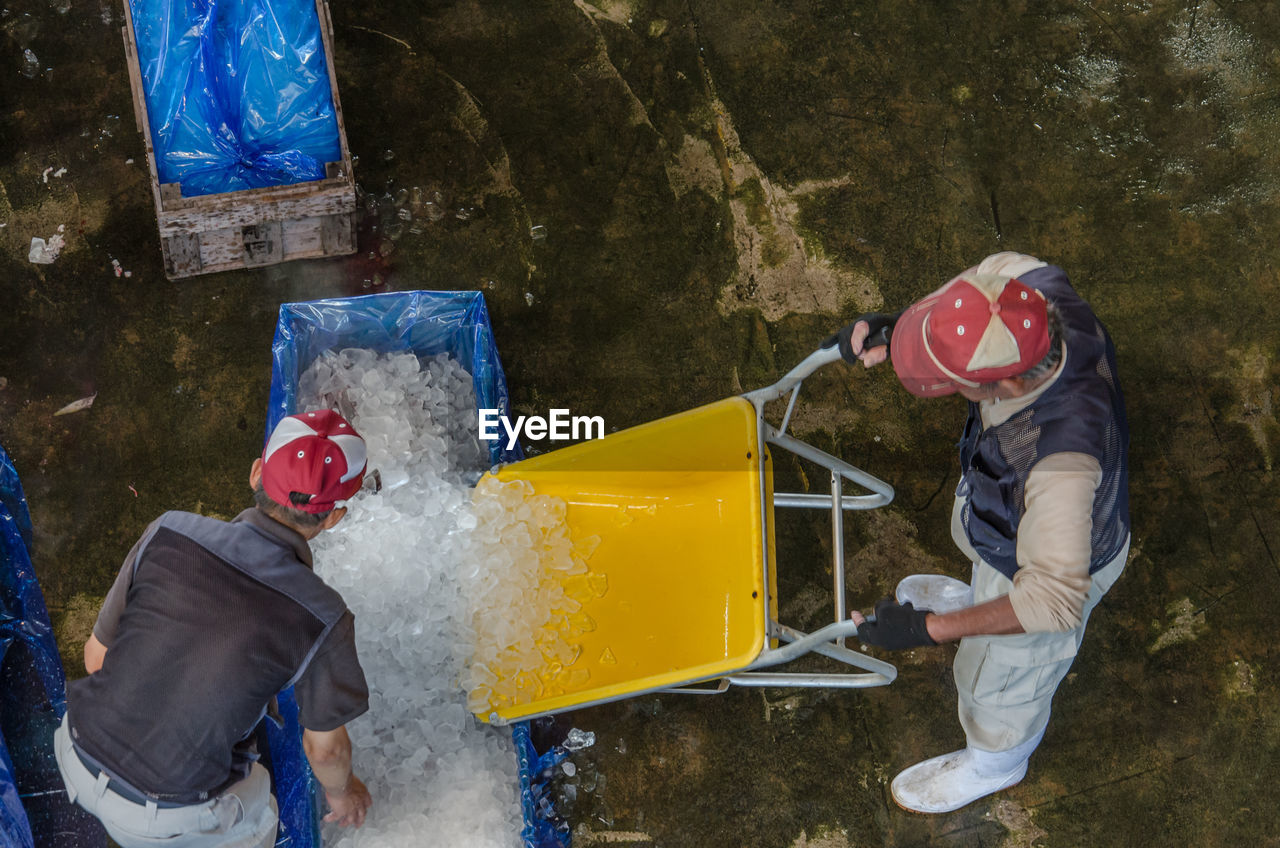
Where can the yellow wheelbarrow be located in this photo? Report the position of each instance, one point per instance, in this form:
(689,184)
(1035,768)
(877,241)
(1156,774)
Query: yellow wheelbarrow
(683,510)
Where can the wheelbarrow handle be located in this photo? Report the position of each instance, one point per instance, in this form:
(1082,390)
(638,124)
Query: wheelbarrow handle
(820,357)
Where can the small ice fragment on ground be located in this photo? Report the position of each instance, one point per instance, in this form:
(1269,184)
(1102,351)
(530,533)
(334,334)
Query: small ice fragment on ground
(579,739)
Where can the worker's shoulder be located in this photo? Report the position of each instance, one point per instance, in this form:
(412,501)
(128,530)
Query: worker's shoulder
(238,542)
(179,517)
(1051,280)
(261,556)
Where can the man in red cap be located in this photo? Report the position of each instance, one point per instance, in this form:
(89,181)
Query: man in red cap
(206,623)
(1041,509)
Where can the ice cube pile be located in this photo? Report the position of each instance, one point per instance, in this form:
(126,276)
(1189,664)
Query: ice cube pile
(420,563)
(529,601)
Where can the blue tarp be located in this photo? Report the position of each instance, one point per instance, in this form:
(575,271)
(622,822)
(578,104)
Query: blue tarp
(238,92)
(544,827)
(34,809)
(426,323)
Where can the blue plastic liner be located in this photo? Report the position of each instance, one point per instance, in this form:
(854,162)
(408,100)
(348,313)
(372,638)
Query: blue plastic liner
(15,831)
(34,809)
(426,323)
(238,92)
(544,827)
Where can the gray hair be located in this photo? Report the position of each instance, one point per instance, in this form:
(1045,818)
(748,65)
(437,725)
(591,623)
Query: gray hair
(295,518)
(1052,359)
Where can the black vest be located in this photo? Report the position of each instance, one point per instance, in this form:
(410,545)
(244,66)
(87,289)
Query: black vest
(1083,411)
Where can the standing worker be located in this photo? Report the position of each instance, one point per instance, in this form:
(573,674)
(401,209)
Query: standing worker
(1041,510)
(206,623)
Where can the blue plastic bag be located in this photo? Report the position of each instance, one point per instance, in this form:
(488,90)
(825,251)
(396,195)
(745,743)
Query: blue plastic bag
(15,831)
(426,323)
(238,93)
(34,808)
(544,827)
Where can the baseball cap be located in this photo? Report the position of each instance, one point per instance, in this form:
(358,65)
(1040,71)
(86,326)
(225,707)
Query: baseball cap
(976,329)
(315,453)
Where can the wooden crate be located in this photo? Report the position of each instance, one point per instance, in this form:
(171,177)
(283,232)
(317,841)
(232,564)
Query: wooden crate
(255,227)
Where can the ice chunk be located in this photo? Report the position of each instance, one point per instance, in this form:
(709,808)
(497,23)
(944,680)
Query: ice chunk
(579,739)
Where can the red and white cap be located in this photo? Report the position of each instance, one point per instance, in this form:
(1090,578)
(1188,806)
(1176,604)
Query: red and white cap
(976,329)
(314,453)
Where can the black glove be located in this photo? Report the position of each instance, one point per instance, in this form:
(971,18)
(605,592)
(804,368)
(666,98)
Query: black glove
(896,626)
(879,328)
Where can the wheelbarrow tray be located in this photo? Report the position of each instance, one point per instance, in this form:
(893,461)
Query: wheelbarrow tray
(682,508)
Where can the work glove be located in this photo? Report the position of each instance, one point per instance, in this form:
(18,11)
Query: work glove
(879,328)
(896,626)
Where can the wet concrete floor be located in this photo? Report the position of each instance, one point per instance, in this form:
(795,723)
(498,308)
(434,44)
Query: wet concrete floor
(722,184)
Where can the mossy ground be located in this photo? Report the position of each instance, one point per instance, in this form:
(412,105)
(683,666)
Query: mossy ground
(722,184)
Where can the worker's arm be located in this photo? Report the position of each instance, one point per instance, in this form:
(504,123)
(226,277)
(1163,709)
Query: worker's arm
(1052,581)
(331,692)
(1053,551)
(329,753)
(94,653)
(1054,546)
(993,618)
(898,626)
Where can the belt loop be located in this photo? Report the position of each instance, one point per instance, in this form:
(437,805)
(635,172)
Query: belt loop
(100,786)
(152,807)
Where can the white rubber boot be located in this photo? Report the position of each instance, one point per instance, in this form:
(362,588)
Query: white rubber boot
(935,592)
(955,780)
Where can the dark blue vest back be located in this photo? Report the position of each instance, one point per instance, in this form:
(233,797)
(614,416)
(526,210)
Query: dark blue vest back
(1083,411)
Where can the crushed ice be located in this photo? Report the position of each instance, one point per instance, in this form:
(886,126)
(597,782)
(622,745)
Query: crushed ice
(466,600)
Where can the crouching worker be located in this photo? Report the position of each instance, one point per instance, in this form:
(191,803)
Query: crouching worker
(1041,510)
(206,623)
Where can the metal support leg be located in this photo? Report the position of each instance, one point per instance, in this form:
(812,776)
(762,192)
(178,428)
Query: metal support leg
(837,547)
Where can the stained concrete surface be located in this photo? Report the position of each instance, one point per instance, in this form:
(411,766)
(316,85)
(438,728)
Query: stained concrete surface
(721,184)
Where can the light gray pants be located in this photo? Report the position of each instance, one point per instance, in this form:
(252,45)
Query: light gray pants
(1006,683)
(243,816)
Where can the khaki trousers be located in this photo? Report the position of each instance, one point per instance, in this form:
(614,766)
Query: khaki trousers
(243,816)
(1006,683)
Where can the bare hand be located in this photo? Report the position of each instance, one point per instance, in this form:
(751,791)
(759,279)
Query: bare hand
(349,808)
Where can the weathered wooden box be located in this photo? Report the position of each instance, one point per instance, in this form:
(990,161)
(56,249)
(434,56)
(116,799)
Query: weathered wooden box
(255,227)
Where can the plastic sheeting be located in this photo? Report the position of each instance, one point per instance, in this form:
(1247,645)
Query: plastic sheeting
(15,831)
(238,92)
(426,323)
(544,827)
(34,809)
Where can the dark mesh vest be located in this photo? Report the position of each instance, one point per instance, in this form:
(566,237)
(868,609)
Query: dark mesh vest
(1083,412)
(220,617)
